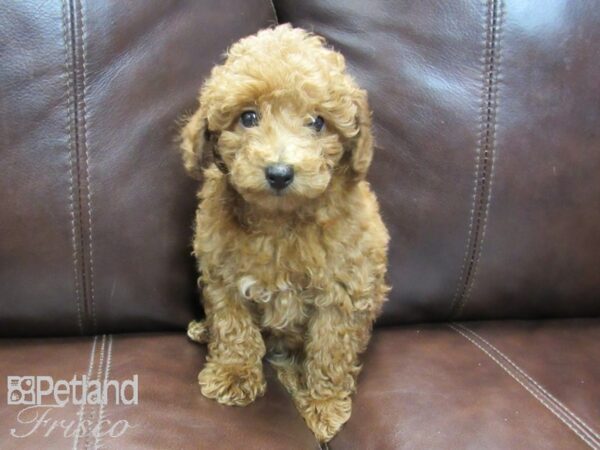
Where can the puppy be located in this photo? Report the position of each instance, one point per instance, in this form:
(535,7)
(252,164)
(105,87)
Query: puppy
(289,240)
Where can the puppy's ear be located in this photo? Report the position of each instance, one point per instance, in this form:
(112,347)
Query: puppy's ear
(195,140)
(361,145)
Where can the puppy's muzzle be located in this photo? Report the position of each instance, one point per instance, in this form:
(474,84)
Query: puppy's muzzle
(279,176)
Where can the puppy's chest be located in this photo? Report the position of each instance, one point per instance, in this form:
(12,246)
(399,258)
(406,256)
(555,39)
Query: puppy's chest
(280,280)
(278,303)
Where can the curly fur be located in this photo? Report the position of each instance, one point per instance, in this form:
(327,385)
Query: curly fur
(300,276)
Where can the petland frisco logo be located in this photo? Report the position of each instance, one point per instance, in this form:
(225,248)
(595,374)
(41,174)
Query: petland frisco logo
(43,390)
(40,396)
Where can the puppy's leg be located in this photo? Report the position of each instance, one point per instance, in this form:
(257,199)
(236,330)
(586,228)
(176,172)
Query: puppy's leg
(233,373)
(335,339)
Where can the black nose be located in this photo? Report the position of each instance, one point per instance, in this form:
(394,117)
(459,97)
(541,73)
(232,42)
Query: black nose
(279,176)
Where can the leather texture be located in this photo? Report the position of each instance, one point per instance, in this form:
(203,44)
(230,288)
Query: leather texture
(493,385)
(171,412)
(487,123)
(96,210)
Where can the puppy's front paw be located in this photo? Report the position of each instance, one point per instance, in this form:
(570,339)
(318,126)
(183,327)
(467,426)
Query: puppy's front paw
(325,417)
(232,384)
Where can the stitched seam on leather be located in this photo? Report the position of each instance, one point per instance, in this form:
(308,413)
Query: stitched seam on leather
(484,162)
(274,12)
(87,161)
(491,128)
(537,394)
(533,388)
(65,26)
(76,94)
(98,440)
(92,415)
(82,407)
(567,411)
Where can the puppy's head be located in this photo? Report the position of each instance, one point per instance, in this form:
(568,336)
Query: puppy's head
(281,117)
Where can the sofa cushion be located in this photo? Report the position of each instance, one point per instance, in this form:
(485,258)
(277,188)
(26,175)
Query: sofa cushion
(487,125)
(492,385)
(171,412)
(96,211)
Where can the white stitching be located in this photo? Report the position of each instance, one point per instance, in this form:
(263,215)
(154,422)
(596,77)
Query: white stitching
(99,372)
(87,159)
(106,375)
(274,13)
(65,14)
(495,73)
(82,407)
(583,434)
(487,142)
(476,172)
(540,387)
(528,388)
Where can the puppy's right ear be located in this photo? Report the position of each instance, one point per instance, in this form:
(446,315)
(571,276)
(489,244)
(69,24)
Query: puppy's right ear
(195,139)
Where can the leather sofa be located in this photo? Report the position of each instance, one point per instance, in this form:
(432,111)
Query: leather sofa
(487,167)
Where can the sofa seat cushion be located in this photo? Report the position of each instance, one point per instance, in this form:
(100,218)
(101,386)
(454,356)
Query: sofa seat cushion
(479,385)
(171,412)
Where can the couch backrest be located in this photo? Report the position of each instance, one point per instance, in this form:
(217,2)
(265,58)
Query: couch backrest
(487,119)
(95,208)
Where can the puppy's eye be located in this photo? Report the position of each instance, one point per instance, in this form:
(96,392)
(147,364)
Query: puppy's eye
(249,119)
(317,123)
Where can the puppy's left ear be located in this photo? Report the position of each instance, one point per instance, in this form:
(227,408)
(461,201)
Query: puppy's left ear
(194,141)
(361,146)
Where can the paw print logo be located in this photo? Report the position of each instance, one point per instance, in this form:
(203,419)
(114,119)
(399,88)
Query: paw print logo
(20,391)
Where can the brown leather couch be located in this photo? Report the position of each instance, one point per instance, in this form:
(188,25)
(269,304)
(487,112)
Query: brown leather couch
(487,118)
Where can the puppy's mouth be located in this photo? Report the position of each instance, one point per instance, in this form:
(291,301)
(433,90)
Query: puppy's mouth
(279,192)
(276,194)
(269,199)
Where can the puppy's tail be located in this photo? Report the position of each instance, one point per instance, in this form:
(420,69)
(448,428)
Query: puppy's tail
(197,331)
